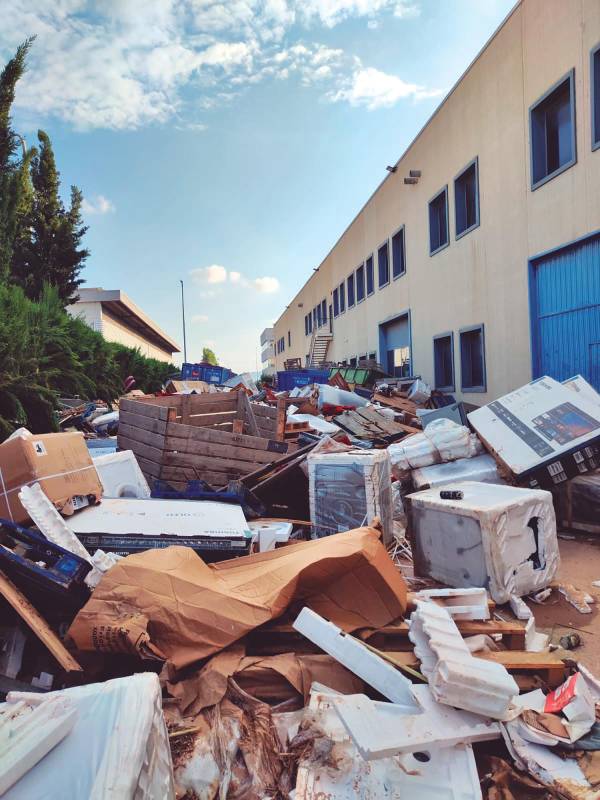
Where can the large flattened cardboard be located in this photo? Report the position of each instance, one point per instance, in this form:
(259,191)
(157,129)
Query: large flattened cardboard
(170,604)
(59,462)
(544,432)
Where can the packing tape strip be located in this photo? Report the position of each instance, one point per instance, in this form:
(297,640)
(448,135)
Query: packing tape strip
(18,488)
(5,493)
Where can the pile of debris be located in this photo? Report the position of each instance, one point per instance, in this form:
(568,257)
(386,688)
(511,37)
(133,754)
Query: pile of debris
(298,595)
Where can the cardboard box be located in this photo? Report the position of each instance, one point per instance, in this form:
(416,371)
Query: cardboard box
(59,462)
(544,433)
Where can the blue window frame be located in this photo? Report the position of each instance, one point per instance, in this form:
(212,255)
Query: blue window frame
(342,298)
(383,264)
(466,199)
(360,283)
(350,290)
(398,254)
(443,361)
(336,303)
(324,312)
(438,222)
(314,317)
(370,275)
(552,132)
(472,359)
(595,93)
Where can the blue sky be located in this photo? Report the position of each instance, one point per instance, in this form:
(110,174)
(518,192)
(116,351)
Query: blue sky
(230,143)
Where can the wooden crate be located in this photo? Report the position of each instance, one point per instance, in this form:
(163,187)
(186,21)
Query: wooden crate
(212,437)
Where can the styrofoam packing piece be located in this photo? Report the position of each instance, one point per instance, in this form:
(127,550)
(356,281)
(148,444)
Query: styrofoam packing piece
(448,773)
(482,468)
(102,562)
(119,747)
(462,604)
(357,658)
(535,642)
(479,643)
(380,730)
(49,521)
(519,607)
(121,475)
(28,733)
(455,676)
(442,440)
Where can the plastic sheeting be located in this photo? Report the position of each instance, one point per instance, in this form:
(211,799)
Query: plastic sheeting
(442,440)
(347,490)
(118,748)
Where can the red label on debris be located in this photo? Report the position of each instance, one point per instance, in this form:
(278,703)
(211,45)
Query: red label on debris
(561,697)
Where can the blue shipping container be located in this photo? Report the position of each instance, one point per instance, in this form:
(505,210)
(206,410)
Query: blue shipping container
(290,379)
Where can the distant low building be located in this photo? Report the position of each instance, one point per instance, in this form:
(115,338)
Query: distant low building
(113,314)
(267,351)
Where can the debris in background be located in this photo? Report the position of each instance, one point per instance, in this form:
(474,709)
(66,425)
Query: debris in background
(461,604)
(576,597)
(121,476)
(442,441)
(482,469)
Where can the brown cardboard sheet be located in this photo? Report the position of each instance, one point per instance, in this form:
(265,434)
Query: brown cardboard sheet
(272,679)
(59,462)
(172,603)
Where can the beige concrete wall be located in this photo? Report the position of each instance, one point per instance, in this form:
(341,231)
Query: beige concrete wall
(90,313)
(114,331)
(483,276)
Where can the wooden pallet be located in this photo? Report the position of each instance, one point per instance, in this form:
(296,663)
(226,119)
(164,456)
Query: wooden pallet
(185,437)
(372,425)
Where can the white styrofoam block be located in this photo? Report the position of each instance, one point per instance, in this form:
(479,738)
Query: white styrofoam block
(357,658)
(456,677)
(49,521)
(448,773)
(461,604)
(121,475)
(381,730)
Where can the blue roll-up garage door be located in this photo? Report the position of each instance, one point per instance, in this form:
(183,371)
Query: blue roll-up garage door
(565,309)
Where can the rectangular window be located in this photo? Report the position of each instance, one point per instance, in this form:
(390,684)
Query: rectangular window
(305,325)
(350,288)
(319,316)
(552,130)
(360,283)
(466,199)
(595,81)
(342,298)
(289,338)
(370,276)
(472,359)
(353,362)
(398,254)
(336,303)
(373,356)
(323,312)
(383,264)
(438,221)
(314,317)
(443,362)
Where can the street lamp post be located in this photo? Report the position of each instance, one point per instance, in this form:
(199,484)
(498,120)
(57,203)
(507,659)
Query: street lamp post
(183,320)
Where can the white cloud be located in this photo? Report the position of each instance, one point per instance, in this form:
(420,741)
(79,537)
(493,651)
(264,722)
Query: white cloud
(266,285)
(215,273)
(199,318)
(122,64)
(97,205)
(375,89)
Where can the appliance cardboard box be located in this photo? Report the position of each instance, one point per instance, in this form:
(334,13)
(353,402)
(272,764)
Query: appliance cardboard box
(544,433)
(59,462)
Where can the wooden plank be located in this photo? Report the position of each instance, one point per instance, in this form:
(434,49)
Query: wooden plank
(171,400)
(221,437)
(139,435)
(149,468)
(379,419)
(215,464)
(246,413)
(258,476)
(513,633)
(281,415)
(37,624)
(143,423)
(206,420)
(238,426)
(212,407)
(145,409)
(146,451)
(264,411)
(224,451)
(350,424)
(215,478)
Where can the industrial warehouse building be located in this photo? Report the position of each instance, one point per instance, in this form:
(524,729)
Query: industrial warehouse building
(476,263)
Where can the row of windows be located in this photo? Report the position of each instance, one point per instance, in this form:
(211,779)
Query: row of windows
(472,360)
(361,283)
(315,318)
(466,208)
